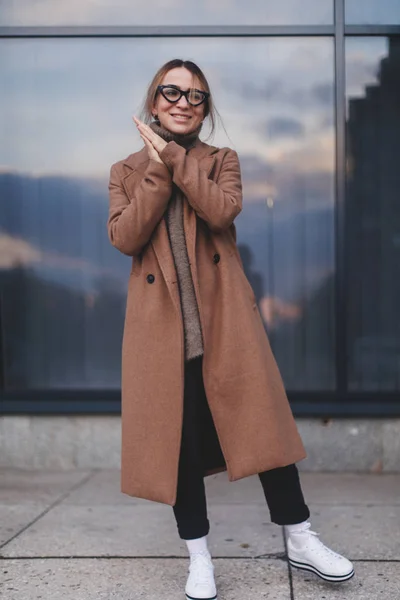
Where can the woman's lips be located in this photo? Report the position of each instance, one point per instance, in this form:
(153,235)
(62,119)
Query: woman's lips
(181,118)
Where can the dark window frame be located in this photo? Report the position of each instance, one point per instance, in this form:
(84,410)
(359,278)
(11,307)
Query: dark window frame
(341,402)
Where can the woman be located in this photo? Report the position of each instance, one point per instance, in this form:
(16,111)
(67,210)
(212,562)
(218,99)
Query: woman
(201,391)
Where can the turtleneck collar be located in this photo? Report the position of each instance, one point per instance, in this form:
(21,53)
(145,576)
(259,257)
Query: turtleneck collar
(187,141)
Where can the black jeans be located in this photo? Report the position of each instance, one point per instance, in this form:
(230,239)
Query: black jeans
(281,486)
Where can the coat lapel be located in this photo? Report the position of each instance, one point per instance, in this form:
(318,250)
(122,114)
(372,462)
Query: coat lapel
(134,160)
(160,240)
(206,163)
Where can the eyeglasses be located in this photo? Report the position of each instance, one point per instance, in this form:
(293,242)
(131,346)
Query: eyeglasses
(173,94)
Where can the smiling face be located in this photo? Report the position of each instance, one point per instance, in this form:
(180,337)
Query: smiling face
(179,117)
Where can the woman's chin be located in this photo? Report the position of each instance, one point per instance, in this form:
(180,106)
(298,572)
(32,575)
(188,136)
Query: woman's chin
(179,128)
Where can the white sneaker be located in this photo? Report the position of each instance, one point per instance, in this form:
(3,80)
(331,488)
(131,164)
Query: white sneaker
(307,552)
(200,584)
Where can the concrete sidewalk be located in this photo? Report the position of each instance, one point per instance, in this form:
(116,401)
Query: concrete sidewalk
(73,535)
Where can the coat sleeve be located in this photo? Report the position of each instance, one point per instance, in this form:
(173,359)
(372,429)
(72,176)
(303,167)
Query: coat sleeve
(216,203)
(133,215)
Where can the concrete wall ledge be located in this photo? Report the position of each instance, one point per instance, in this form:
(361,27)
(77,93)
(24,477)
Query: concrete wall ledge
(89,442)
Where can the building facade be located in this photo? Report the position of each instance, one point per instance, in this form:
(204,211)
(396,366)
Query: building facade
(309,96)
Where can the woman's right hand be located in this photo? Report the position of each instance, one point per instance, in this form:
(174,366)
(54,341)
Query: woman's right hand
(153,154)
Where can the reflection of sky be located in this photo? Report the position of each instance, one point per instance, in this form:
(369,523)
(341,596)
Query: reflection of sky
(67,103)
(363,56)
(165,12)
(194,12)
(373,12)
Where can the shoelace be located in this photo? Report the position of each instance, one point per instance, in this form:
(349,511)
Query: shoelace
(322,548)
(202,569)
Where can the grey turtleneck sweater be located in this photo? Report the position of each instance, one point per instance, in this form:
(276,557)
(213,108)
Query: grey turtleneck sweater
(174,220)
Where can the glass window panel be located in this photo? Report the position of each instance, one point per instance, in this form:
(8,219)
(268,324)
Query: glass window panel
(166,12)
(373,213)
(372,12)
(67,107)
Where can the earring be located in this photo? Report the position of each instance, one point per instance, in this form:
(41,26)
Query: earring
(155,117)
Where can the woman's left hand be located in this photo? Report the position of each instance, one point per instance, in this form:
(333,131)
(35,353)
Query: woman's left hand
(155,140)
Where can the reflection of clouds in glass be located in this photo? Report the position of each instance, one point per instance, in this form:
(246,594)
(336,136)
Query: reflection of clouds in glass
(323,93)
(384,12)
(314,155)
(165,12)
(16,252)
(284,127)
(68,103)
(284,92)
(286,181)
(363,56)
(279,79)
(326,122)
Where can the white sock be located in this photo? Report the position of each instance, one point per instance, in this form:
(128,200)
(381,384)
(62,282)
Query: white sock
(198,546)
(298,527)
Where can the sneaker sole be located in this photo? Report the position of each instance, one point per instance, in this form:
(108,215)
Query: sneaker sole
(193,598)
(325,576)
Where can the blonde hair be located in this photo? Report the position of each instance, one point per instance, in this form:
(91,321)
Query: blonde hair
(152,91)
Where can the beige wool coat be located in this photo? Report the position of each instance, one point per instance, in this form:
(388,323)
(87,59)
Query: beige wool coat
(245,393)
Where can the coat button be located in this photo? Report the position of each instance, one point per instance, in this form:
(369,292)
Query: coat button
(150,278)
(216,258)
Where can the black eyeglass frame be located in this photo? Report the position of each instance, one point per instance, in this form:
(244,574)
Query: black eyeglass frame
(161,88)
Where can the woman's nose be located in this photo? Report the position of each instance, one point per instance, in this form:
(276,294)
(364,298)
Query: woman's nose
(183,103)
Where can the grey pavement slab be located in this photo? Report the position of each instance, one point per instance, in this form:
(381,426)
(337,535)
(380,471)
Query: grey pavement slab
(319,488)
(103,530)
(372,581)
(24,495)
(104,487)
(351,488)
(14,518)
(323,488)
(220,490)
(359,532)
(137,579)
(21,486)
